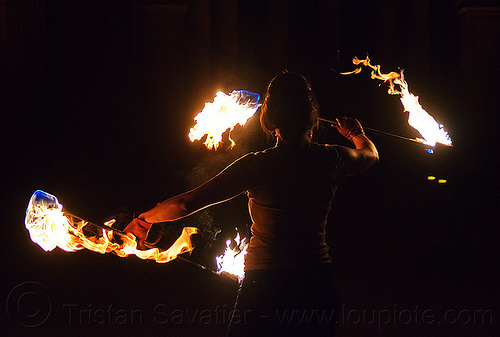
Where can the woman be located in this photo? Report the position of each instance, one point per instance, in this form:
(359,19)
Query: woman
(289,285)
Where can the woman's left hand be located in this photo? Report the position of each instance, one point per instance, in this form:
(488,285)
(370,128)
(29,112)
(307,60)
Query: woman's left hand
(140,229)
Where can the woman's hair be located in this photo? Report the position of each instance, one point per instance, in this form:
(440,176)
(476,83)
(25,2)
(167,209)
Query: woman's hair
(290,106)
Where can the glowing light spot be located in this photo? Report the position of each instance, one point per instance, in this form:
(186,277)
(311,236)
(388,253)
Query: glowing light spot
(431,178)
(442,181)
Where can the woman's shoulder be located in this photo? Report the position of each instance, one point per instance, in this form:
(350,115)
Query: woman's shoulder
(262,153)
(260,159)
(330,148)
(278,153)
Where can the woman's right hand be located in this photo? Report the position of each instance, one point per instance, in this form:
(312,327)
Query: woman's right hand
(349,127)
(140,229)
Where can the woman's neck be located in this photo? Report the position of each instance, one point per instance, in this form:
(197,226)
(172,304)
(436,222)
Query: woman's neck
(305,140)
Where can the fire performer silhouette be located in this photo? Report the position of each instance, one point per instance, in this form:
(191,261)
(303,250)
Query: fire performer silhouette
(289,287)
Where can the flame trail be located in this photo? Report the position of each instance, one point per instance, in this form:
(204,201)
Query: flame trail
(50,227)
(431,131)
(225,112)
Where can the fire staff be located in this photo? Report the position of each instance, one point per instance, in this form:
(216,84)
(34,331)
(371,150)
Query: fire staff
(289,286)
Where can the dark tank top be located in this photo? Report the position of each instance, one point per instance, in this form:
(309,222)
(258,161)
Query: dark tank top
(290,192)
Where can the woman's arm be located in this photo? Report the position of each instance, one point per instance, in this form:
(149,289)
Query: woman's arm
(365,154)
(363,157)
(224,186)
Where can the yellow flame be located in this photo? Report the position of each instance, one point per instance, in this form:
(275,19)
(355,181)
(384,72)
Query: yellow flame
(431,131)
(49,227)
(225,112)
(233,259)
(355,71)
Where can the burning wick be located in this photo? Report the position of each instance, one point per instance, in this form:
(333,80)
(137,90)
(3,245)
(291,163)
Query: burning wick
(225,112)
(50,227)
(233,260)
(431,131)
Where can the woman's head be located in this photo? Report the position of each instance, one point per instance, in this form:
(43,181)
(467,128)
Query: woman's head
(290,108)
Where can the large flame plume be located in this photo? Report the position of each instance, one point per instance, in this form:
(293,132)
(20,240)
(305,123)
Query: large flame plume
(50,227)
(225,112)
(233,260)
(431,131)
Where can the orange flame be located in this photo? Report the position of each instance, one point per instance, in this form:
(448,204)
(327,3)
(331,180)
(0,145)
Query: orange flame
(225,112)
(431,131)
(233,259)
(50,227)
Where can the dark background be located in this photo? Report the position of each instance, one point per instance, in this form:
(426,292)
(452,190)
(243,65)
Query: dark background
(97,98)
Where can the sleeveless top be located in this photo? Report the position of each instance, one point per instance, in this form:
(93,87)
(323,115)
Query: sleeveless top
(290,192)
